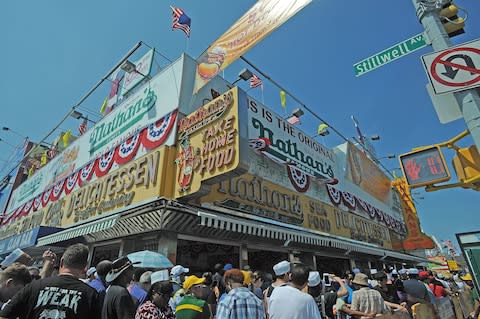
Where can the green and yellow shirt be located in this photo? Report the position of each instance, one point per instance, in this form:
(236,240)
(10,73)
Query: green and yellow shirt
(192,308)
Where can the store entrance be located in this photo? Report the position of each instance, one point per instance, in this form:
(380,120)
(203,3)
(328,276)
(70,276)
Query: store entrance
(201,257)
(264,260)
(105,252)
(330,265)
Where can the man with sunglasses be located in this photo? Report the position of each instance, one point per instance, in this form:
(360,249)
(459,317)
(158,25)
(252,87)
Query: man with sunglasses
(192,305)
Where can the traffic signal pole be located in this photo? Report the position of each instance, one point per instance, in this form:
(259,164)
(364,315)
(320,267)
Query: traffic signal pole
(469,100)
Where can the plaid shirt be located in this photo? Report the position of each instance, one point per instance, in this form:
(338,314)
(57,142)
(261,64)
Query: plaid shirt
(240,303)
(368,300)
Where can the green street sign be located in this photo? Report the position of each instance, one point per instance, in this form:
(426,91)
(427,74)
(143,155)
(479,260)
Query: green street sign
(391,54)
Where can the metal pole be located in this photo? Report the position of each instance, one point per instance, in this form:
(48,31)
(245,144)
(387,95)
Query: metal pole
(469,100)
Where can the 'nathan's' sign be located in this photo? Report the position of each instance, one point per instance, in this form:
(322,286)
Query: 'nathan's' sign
(303,157)
(252,195)
(121,121)
(208,144)
(149,114)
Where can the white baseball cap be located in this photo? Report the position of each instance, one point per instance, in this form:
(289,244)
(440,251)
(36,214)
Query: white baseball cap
(178,270)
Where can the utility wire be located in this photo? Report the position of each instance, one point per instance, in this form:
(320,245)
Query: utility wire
(314,114)
(90,92)
(293,97)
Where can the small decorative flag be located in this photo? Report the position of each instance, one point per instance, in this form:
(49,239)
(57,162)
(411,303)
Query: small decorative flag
(283,98)
(116,78)
(323,129)
(180,20)
(104,106)
(43,159)
(66,138)
(52,152)
(361,137)
(293,120)
(255,81)
(31,171)
(82,128)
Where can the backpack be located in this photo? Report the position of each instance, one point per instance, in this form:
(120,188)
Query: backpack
(325,306)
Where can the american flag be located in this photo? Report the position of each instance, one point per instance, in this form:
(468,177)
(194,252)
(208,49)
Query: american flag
(51,153)
(82,128)
(293,120)
(255,81)
(181,20)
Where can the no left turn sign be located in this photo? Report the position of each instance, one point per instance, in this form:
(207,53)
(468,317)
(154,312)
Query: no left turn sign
(454,69)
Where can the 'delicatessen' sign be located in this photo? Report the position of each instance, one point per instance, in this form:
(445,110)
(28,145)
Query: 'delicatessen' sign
(135,182)
(255,196)
(208,143)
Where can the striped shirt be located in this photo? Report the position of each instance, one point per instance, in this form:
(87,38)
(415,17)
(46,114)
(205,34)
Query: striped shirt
(240,303)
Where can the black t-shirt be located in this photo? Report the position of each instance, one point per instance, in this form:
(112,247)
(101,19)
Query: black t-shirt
(389,294)
(330,299)
(118,304)
(64,297)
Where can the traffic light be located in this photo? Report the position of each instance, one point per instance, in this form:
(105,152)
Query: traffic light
(467,163)
(424,167)
(452,23)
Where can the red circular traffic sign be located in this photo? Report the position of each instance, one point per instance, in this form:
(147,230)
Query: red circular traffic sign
(439,60)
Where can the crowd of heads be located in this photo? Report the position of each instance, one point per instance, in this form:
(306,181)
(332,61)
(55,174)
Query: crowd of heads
(166,288)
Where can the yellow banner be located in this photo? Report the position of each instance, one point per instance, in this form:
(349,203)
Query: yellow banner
(253,195)
(137,181)
(256,24)
(208,143)
(364,173)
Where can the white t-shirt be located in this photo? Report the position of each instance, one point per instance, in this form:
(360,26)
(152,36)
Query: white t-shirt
(287,302)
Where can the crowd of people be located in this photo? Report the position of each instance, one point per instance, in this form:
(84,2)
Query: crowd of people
(119,290)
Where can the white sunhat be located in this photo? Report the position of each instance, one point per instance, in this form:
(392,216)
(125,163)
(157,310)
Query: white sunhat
(281,268)
(313,279)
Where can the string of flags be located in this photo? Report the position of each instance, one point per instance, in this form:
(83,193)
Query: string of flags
(323,130)
(283,99)
(255,81)
(293,120)
(82,128)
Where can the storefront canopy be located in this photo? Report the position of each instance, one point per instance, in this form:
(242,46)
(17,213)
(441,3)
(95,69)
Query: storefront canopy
(80,230)
(25,239)
(295,234)
(188,219)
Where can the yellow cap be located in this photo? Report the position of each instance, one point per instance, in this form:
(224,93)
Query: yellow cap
(247,278)
(191,281)
(467,277)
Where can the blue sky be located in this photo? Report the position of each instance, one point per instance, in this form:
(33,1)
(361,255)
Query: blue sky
(52,54)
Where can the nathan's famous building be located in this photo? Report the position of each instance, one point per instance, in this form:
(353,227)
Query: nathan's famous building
(212,176)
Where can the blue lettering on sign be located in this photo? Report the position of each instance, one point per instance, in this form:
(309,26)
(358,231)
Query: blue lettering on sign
(22,240)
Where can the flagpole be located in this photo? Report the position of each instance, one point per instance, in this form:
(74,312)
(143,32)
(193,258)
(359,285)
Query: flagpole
(263,98)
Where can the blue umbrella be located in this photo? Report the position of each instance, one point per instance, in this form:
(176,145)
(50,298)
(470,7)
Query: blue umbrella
(149,259)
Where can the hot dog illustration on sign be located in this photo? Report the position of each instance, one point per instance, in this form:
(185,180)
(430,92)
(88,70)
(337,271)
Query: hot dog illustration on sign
(185,161)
